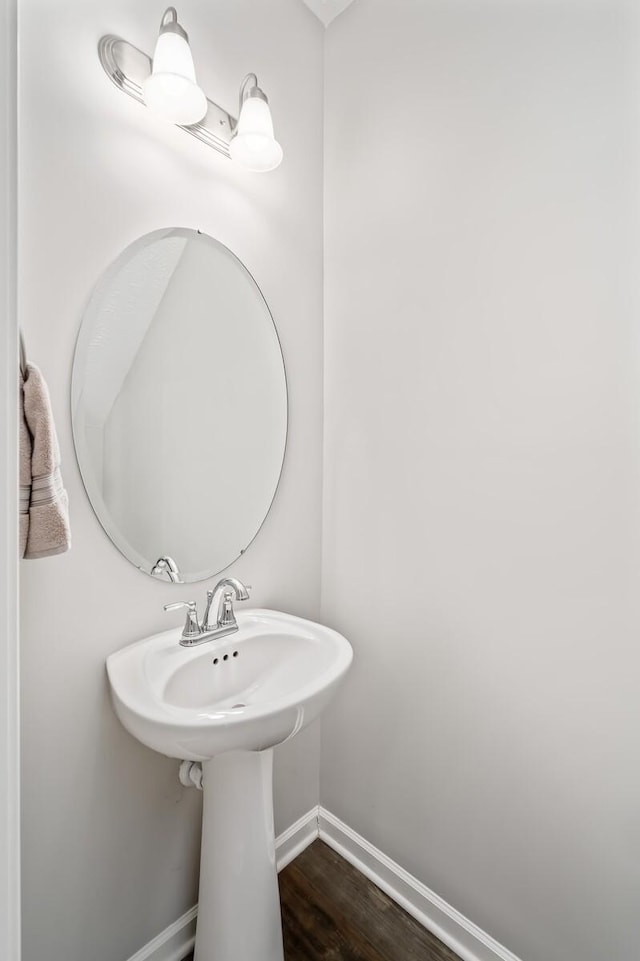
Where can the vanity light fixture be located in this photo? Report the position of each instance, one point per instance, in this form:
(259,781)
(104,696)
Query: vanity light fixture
(167,85)
(171,89)
(254,145)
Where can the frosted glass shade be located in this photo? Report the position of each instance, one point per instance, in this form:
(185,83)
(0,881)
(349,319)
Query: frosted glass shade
(171,90)
(254,145)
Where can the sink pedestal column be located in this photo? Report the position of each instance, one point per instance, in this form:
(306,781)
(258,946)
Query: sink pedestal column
(239,904)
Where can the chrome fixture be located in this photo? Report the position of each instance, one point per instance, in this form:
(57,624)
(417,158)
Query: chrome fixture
(167,84)
(23,357)
(167,565)
(192,629)
(220,602)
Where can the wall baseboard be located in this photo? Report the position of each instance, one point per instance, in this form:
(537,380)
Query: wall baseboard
(295,839)
(176,941)
(464,937)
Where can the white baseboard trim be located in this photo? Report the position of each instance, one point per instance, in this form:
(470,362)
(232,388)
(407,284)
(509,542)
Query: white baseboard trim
(176,941)
(464,937)
(295,839)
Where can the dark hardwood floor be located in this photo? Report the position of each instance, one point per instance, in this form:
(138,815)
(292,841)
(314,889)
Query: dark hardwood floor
(331,912)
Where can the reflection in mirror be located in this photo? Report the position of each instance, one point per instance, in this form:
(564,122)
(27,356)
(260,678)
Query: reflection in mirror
(179,405)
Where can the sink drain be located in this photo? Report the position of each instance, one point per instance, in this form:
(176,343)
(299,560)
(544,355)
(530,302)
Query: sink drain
(237,705)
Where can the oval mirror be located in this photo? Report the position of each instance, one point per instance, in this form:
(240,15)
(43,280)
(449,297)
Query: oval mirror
(179,405)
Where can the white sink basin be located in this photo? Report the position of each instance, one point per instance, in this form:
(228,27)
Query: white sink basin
(226,703)
(248,691)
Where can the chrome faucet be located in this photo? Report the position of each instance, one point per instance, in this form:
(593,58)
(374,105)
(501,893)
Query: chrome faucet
(220,602)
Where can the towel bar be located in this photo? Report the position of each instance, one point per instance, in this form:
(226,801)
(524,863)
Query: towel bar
(23,357)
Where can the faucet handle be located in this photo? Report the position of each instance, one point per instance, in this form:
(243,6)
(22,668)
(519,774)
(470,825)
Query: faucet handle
(227,617)
(191,626)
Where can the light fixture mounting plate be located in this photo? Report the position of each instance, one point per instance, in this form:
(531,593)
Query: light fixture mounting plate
(128,67)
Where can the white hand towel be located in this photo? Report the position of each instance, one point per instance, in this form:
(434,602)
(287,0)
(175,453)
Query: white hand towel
(49,531)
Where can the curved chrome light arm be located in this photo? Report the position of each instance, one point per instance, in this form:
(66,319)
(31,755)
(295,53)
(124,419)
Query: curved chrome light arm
(244,85)
(171,25)
(250,91)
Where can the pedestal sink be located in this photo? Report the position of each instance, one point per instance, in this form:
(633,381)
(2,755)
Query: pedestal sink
(227,703)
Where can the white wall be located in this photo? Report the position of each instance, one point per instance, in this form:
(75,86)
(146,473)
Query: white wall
(9,652)
(482,483)
(110,838)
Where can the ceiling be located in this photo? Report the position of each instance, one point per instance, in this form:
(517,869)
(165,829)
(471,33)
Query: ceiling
(327,10)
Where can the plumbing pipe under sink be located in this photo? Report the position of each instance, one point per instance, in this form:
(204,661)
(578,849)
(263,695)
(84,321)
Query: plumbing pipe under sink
(190,774)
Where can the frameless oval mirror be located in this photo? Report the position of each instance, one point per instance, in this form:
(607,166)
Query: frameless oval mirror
(179,405)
